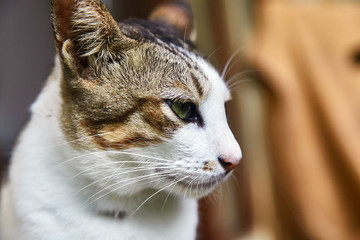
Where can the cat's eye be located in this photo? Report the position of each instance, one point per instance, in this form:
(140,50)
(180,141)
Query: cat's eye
(184,110)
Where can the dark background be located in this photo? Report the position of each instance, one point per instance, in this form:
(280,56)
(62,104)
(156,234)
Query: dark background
(26,57)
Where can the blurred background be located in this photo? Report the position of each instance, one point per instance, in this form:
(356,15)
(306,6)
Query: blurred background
(294,70)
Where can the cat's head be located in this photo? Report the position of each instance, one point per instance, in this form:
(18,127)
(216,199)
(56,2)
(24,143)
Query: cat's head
(146,111)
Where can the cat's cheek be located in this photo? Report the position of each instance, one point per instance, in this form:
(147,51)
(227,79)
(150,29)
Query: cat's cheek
(194,148)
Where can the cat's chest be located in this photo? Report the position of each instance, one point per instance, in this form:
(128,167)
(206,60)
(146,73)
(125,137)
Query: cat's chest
(73,224)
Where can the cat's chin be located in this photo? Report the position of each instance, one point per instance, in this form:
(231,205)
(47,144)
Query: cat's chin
(196,189)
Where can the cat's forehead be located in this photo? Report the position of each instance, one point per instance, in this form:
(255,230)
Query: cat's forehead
(172,62)
(215,82)
(153,32)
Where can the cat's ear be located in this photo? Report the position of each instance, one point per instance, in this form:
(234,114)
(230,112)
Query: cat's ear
(179,16)
(83,31)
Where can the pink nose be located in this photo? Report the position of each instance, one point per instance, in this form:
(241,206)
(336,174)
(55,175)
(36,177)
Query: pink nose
(229,163)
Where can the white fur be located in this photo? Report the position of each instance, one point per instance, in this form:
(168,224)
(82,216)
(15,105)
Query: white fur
(58,192)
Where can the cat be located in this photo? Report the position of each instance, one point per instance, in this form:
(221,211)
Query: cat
(128,132)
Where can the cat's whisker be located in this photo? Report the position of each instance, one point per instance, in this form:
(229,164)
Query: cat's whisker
(167,196)
(235,180)
(212,53)
(184,35)
(112,152)
(74,158)
(226,67)
(132,170)
(236,84)
(228,186)
(232,65)
(235,76)
(147,165)
(138,155)
(109,177)
(189,185)
(197,186)
(232,56)
(160,190)
(83,172)
(122,168)
(138,178)
(89,201)
(220,189)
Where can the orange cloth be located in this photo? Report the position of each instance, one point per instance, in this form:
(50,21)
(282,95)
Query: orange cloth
(309,56)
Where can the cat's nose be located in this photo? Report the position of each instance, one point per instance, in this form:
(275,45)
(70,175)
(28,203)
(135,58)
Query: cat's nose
(229,163)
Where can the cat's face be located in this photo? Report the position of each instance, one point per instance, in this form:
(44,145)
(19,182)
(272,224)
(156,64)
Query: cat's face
(150,113)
